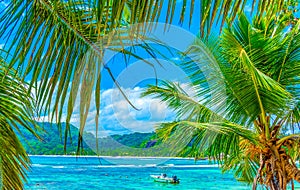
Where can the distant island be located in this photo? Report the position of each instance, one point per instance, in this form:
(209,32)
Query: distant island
(134,144)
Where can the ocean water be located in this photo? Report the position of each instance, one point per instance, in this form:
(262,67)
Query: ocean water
(68,173)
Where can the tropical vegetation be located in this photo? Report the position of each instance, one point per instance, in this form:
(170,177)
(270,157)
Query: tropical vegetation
(48,41)
(51,140)
(51,143)
(243,104)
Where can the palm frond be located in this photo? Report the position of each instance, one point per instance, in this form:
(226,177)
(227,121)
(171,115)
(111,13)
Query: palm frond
(16,112)
(219,140)
(231,71)
(185,106)
(276,61)
(245,164)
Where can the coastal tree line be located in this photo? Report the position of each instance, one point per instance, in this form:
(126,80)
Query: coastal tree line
(251,132)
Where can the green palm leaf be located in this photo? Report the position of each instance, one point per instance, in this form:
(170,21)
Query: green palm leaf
(218,139)
(185,106)
(16,111)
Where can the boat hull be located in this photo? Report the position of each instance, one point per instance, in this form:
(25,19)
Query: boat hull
(162,179)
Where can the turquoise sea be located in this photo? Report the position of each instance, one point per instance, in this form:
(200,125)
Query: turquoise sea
(68,173)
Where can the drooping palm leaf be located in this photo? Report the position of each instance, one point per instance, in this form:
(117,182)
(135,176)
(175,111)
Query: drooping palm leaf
(244,165)
(16,112)
(219,140)
(185,106)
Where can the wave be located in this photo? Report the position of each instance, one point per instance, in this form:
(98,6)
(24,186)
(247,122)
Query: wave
(150,165)
(116,166)
(143,159)
(80,169)
(43,166)
(158,166)
(39,165)
(126,166)
(170,165)
(197,166)
(134,166)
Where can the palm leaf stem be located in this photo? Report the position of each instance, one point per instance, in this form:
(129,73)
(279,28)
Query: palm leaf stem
(263,114)
(283,139)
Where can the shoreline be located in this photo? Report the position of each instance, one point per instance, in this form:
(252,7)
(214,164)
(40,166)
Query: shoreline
(129,157)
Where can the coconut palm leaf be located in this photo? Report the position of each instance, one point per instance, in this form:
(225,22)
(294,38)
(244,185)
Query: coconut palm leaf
(218,139)
(185,106)
(16,112)
(204,134)
(241,57)
(244,165)
(277,59)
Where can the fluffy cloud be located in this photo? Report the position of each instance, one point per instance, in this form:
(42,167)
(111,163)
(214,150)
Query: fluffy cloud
(117,116)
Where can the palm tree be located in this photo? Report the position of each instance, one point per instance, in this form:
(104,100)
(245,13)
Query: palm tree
(16,112)
(244,109)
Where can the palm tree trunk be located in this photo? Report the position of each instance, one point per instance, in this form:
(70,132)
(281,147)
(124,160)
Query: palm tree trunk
(292,170)
(283,171)
(276,168)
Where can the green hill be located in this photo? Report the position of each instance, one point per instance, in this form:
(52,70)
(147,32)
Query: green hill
(52,142)
(134,144)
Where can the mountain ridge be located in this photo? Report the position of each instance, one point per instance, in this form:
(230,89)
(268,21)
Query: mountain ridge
(52,143)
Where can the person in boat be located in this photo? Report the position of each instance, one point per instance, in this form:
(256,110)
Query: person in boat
(175,179)
(164,175)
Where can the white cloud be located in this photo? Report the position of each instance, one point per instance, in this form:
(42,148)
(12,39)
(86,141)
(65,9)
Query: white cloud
(116,114)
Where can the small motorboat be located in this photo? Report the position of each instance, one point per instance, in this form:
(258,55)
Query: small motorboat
(163,178)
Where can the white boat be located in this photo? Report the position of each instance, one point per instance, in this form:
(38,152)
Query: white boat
(164,179)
